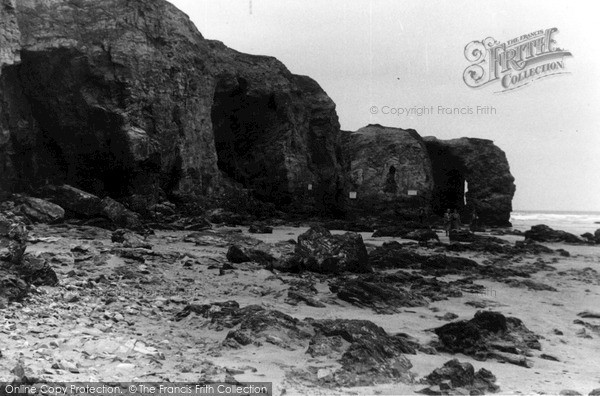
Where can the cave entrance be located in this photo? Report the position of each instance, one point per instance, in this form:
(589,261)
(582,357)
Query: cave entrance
(390,182)
(450,182)
(449,191)
(246,129)
(67,140)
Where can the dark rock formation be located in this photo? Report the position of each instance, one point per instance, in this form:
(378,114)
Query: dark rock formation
(37,271)
(19,270)
(126,97)
(441,264)
(388,168)
(235,254)
(456,378)
(423,236)
(13,235)
(489,335)
(373,355)
(320,251)
(258,325)
(79,203)
(129,239)
(75,201)
(485,169)
(12,288)
(468,236)
(384,293)
(41,211)
(127,100)
(394,255)
(260,229)
(543,233)
(483,244)
(303,290)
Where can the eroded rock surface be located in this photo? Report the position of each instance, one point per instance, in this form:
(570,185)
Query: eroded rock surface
(483,166)
(124,98)
(489,335)
(388,169)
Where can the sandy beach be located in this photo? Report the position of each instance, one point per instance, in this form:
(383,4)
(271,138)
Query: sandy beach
(117,317)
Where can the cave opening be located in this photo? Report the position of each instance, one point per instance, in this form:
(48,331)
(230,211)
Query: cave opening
(71,139)
(246,130)
(450,181)
(390,182)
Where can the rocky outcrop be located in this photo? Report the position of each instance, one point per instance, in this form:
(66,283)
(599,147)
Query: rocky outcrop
(456,378)
(39,210)
(393,171)
(484,168)
(319,251)
(79,203)
(489,335)
(543,233)
(125,98)
(388,169)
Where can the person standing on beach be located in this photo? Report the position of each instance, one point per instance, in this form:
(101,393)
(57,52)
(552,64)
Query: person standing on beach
(447,221)
(422,216)
(454,220)
(474,220)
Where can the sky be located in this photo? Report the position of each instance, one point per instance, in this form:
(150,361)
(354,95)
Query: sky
(372,56)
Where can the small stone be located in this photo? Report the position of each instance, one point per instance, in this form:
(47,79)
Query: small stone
(569,392)
(71,297)
(549,357)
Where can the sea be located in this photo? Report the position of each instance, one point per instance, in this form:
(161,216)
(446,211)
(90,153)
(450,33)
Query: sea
(571,221)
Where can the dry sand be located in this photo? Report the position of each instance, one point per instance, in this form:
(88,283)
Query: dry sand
(70,333)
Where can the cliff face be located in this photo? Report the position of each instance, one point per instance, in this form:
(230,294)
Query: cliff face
(126,97)
(483,166)
(388,169)
(10,38)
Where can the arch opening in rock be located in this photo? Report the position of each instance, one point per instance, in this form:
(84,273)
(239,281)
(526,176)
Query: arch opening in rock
(449,181)
(247,129)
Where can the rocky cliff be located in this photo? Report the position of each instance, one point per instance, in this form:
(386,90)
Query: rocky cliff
(388,169)
(393,170)
(127,98)
(471,174)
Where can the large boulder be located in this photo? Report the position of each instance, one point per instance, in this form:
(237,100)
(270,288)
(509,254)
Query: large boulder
(119,214)
(320,251)
(83,204)
(125,98)
(489,335)
(456,378)
(543,233)
(41,211)
(74,200)
(13,237)
(484,168)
